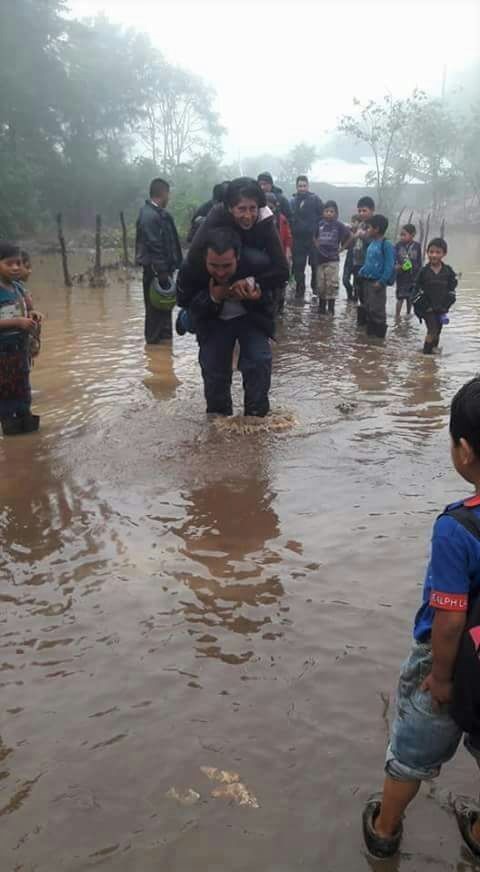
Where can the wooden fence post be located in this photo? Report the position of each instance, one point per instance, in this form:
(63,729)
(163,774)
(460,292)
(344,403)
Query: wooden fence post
(427,231)
(98,245)
(126,259)
(63,250)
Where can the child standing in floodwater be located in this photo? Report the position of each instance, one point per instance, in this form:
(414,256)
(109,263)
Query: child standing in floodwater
(435,293)
(331,238)
(438,695)
(16,327)
(408,263)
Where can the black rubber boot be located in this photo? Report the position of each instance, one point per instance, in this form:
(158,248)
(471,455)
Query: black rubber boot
(428,347)
(30,423)
(300,289)
(12,426)
(331,307)
(361,316)
(380,330)
(322,307)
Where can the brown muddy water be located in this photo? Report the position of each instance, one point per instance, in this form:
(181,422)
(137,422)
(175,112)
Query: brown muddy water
(177,600)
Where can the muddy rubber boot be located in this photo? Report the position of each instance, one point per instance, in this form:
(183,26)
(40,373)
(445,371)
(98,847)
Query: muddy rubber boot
(361,316)
(12,426)
(331,307)
(380,330)
(322,307)
(300,289)
(30,423)
(428,347)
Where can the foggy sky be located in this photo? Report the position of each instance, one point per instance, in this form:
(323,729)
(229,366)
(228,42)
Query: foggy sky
(284,70)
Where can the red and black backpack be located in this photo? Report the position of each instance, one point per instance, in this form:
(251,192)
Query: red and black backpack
(465,708)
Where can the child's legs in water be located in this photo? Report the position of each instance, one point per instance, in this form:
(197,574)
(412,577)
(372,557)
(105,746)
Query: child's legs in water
(434,328)
(332,272)
(322,281)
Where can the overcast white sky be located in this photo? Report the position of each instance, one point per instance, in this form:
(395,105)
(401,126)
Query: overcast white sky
(284,70)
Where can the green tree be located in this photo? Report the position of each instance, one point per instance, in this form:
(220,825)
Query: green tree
(298,161)
(382,126)
(180,123)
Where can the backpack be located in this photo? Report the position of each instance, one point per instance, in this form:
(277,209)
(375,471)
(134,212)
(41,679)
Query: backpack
(392,278)
(421,304)
(163,299)
(465,707)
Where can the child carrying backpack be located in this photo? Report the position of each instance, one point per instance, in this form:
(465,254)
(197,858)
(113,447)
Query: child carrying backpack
(377,272)
(439,689)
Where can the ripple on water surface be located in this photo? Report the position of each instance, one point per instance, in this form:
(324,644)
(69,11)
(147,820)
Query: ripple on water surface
(178,600)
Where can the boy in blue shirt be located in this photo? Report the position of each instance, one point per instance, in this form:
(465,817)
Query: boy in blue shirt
(376,273)
(424,735)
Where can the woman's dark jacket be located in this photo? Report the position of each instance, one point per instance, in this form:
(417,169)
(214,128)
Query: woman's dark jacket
(270,270)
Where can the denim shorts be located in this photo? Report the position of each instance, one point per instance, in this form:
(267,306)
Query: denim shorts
(423,735)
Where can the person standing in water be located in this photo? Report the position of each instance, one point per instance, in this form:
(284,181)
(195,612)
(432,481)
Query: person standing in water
(307,211)
(361,241)
(332,237)
(228,282)
(17,325)
(437,690)
(408,263)
(158,250)
(435,293)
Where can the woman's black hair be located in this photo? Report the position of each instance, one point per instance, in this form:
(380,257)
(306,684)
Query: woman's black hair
(222,239)
(8,249)
(244,187)
(410,228)
(330,204)
(438,242)
(465,415)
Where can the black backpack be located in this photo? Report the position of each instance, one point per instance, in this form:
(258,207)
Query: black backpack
(465,708)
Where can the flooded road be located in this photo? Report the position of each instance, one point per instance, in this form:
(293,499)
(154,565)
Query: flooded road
(178,601)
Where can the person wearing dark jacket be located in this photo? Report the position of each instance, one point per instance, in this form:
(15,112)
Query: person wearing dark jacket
(239,305)
(435,293)
(265,181)
(204,209)
(307,210)
(157,249)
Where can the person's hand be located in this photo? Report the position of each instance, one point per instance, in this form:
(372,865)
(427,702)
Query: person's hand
(217,292)
(241,289)
(255,294)
(37,317)
(245,289)
(440,691)
(27,324)
(378,286)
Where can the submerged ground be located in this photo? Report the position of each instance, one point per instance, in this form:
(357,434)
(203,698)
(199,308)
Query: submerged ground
(177,599)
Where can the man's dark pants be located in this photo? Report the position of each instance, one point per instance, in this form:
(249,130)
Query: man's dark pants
(158,324)
(255,363)
(303,249)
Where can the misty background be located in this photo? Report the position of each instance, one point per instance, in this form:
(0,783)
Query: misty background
(98,96)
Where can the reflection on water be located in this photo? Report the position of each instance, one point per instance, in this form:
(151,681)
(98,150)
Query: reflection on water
(226,537)
(174,599)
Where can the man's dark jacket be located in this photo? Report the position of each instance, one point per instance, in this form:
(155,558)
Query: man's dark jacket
(307,210)
(271,274)
(157,244)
